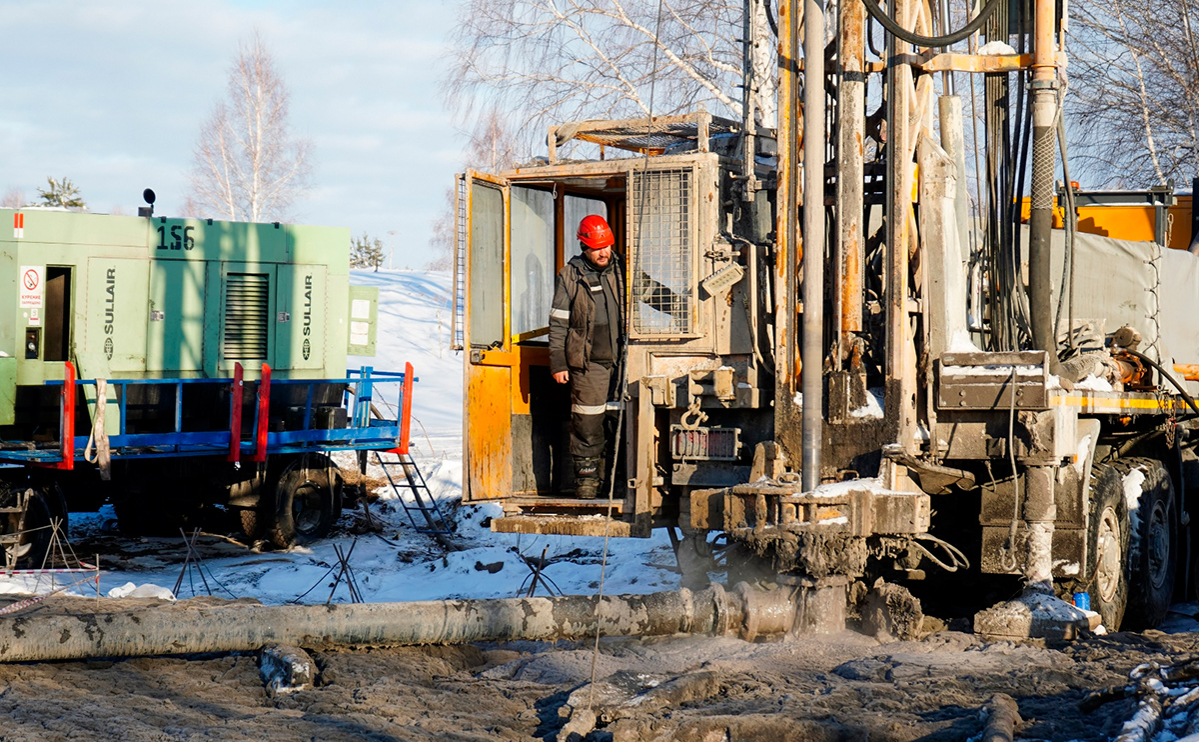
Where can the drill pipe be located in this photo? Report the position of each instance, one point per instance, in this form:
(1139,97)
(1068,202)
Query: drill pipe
(241,627)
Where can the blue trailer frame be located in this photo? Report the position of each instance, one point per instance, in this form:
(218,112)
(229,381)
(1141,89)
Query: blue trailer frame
(362,434)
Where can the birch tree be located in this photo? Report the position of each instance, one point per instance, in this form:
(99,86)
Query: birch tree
(559,60)
(247,165)
(1134,91)
(13,199)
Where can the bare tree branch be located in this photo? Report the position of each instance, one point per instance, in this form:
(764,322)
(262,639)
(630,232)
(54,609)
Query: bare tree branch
(547,61)
(247,166)
(1134,90)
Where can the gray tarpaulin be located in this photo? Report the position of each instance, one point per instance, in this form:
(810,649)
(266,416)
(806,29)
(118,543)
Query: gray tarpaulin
(1141,284)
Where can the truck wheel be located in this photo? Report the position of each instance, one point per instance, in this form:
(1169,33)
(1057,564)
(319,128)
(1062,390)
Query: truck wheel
(30,551)
(57,504)
(1107,546)
(307,501)
(1152,541)
(249,522)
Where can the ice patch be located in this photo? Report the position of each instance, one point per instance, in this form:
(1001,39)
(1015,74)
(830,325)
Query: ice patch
(992,369)
(1133,482)
(130,590)
(1084,450)
(1094,384)
(873,407)
(837,489)
(961,343)
(996,48)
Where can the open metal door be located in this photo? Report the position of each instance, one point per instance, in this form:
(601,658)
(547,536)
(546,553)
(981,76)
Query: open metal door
(487,413)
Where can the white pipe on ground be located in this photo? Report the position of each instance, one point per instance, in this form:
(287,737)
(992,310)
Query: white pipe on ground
(242,627)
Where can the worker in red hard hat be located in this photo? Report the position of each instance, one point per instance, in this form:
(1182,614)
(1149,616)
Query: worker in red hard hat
(586,343)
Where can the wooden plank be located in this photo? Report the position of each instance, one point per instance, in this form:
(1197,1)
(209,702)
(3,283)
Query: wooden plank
(561,525)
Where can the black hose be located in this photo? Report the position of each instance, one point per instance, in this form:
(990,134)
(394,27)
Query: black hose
(1166,375)
(774,26)
(930,41)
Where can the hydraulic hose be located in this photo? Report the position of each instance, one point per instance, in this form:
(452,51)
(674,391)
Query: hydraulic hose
(930,41)
(774,26)
(1166,375)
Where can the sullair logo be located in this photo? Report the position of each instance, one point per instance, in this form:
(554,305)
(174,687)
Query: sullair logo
(307,347)
(110,301)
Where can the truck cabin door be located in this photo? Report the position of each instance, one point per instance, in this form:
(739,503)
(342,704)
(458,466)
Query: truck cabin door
(487,432)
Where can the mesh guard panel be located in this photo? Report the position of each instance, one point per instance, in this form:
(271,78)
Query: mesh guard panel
(663,277)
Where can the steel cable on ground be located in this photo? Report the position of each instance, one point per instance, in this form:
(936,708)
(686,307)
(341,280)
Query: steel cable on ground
(622,369)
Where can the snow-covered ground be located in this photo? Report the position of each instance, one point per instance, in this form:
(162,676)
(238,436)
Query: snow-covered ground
(415,327)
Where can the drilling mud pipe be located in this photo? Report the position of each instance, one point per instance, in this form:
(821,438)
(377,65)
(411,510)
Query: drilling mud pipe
(183,630)
(814,142)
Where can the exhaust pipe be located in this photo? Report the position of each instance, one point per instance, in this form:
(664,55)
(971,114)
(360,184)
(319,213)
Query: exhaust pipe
(746,612)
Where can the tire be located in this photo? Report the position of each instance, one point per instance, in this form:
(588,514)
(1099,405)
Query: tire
(1153,543)
(57,504)
(1107,546)
(36,533)
(307,503)
(249,522)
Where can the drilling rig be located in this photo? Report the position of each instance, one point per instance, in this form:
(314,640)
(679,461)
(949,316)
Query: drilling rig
(860,374)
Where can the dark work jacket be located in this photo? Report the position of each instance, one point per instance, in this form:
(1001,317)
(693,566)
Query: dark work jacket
(572,313)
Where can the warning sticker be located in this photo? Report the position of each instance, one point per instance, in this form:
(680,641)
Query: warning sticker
(31,285)
(18,226)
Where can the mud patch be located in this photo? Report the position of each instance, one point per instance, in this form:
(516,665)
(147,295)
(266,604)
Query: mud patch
(838,687)
(813,554)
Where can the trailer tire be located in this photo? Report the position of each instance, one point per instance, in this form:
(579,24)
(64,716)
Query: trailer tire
(1107,546)
(307,501)
(37,533)
(1153,544)
(56,501)
(249,522)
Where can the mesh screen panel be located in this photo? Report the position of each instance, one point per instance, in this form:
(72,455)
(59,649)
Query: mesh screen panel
(662,276)
(459,263)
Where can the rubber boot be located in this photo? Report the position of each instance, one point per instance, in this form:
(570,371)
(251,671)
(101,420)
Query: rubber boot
(587,478)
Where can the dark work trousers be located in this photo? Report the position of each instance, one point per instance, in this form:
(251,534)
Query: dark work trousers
(589,395)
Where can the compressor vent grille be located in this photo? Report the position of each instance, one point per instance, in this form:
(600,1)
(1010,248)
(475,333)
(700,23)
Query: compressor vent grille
(247,314)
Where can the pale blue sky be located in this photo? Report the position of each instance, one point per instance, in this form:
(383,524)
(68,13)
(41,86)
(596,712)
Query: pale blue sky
(112,93)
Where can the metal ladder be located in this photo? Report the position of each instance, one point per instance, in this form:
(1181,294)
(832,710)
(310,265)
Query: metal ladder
(423,503)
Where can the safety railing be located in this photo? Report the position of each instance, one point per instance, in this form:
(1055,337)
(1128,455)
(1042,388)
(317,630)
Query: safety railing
(362,433)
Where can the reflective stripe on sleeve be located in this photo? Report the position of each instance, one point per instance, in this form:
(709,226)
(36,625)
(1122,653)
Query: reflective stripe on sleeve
(559,314)
(588,409)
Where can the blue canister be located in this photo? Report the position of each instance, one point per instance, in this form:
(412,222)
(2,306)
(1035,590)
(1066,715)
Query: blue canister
(1082,601)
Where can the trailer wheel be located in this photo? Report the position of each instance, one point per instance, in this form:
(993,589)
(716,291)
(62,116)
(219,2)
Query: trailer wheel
(307,501)
(1107,546)
(249,522)
(56,501)
(1152,543)
(34,544)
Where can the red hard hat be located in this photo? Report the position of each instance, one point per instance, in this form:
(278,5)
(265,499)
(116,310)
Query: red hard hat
(595,233)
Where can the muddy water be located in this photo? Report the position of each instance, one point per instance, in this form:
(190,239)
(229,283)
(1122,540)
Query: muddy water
(844,687)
